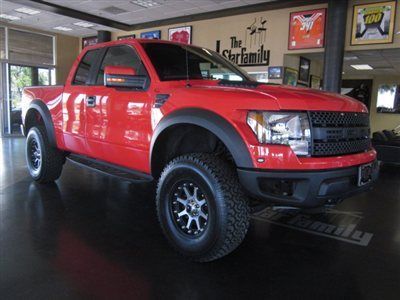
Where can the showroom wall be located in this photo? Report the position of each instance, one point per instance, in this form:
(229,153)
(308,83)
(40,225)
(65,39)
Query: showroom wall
(67,51)
(207,32)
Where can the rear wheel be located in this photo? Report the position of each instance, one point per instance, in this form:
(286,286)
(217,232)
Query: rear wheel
(44,161)
(201,206)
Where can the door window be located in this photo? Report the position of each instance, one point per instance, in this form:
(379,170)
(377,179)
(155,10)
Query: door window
(121,56)
(82,74)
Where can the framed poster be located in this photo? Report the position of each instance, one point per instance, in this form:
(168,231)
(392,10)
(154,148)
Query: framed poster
(373,23)
(180,34)
(307,29)
(127,37)
(388,100)
(290,77)
(315,82)
(88,41)
(155,35)
(304,69)
(275,72)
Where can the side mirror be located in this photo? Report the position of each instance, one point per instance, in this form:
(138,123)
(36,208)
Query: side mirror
(124,77)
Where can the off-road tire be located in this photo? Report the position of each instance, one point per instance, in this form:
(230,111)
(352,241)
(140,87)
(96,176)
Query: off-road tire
(52,159)
(228,206)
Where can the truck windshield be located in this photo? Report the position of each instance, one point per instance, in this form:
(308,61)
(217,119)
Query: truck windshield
(180,62)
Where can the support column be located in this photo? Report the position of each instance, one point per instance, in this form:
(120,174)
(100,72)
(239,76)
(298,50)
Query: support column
(334,45)
(103,36)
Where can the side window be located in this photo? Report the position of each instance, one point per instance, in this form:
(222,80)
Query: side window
(82,74)
(121,56)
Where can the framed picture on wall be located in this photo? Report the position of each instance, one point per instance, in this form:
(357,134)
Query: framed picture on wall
(315,82)
(290,77)
(275,72)
(88,41)
(307,29)
(388,100)
(373,23)
(304,69)
(180,34)
(127,37)
(155,35)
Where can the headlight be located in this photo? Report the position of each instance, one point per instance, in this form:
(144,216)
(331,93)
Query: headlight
(284,128)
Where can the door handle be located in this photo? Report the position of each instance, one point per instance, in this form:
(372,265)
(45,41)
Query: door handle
(91,101)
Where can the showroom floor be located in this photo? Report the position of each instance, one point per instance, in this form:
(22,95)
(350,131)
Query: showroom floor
(92,236)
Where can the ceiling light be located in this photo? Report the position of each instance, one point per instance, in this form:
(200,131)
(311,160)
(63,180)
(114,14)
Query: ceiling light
(84,24)
(146,3)
(362,67)
(62,28)
(9,17)
(27,10)
(350,57)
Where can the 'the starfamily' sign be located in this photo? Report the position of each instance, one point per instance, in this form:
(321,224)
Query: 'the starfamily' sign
(251,51)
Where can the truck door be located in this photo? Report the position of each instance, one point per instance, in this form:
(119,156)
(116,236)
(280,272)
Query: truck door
(75,101)
(118,122)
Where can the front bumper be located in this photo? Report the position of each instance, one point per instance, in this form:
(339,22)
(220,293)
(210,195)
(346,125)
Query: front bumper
(304,188)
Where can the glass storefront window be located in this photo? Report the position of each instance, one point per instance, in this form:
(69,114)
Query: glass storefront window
(2,43)
(30,61)
(30,47)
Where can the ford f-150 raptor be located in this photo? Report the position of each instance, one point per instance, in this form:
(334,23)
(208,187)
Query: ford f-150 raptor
(211,136)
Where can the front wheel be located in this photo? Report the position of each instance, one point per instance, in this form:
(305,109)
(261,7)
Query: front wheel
(44,162)
(201,206)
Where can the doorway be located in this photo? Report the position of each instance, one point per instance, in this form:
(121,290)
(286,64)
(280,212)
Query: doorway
(19,77)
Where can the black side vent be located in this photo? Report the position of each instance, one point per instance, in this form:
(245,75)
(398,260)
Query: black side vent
(160,100)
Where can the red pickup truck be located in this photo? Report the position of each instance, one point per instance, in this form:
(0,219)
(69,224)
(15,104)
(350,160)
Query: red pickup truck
(211,136)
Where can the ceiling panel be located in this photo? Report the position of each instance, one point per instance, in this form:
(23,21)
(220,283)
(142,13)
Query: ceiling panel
(134,14)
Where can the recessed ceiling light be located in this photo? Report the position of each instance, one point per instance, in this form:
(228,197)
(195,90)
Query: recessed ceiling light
(362,67)
(62,28)
(27,10)
(9,17)
(84,24)
(146,3)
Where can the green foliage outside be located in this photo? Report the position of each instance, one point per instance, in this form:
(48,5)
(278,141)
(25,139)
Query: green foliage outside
(20,77)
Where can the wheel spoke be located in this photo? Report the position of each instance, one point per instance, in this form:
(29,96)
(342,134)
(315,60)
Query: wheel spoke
(189,222)
(182,213)
(181,201)
(197,223)
(201,202)
(187,193)
(195,192)
(203,215)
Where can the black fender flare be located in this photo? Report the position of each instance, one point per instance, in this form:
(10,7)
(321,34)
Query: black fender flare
(214,123)
(44,112)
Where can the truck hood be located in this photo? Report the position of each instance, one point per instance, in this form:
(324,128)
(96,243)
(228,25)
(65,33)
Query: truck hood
(282,96)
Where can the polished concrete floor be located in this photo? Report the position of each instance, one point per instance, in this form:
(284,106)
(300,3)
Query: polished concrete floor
(89,236)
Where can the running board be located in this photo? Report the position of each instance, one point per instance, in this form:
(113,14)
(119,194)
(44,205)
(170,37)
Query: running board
(109,169)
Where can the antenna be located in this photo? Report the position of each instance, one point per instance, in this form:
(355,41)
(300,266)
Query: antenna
(187,63)
(187,67)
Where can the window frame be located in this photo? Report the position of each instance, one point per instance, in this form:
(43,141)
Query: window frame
(95,75)
(91,69)
(95,68)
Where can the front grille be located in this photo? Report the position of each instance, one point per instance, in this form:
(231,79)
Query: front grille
(338,133)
